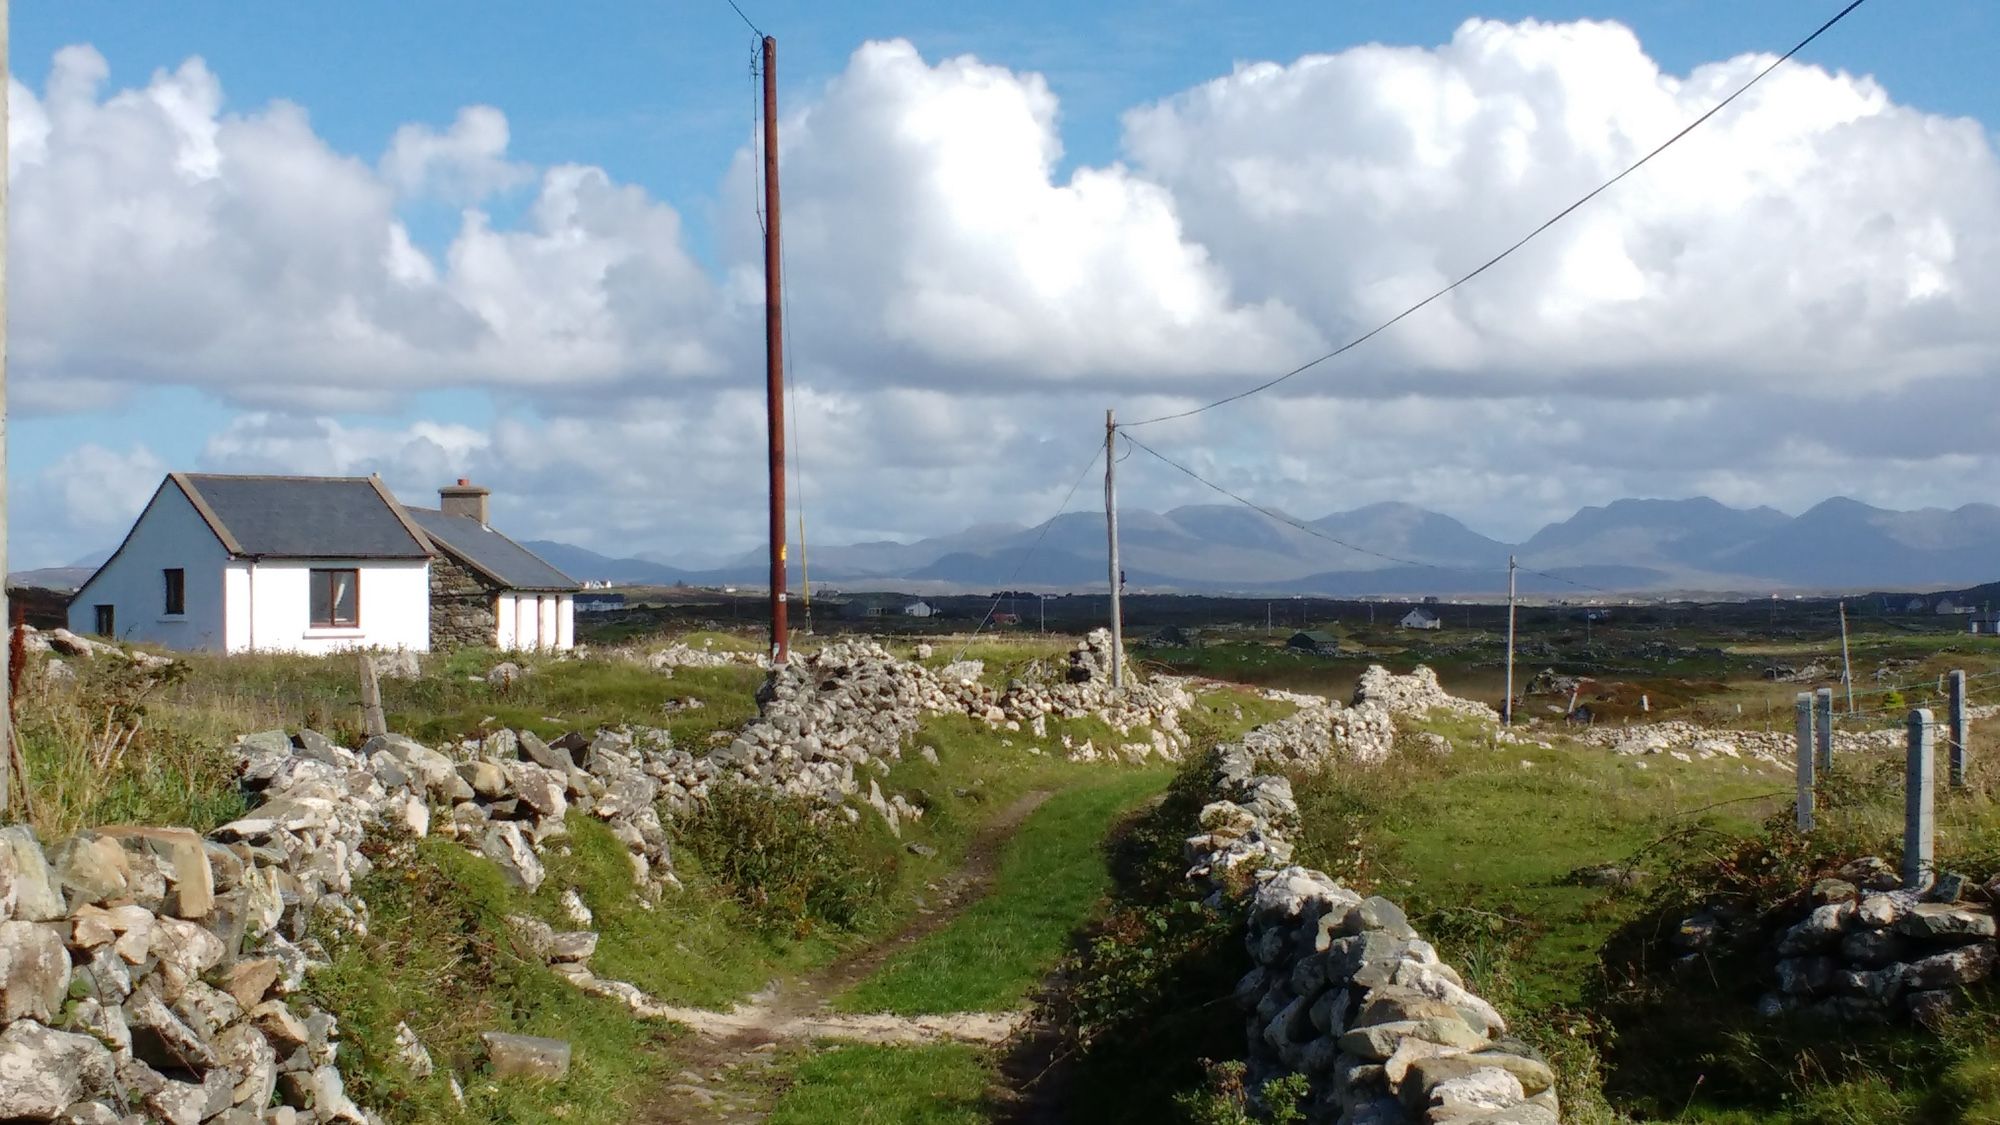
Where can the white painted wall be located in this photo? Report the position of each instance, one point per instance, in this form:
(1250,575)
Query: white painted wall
(534,622)
(277,606)
(169,533)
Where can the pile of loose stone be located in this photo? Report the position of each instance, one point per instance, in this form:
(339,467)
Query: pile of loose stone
(1344,992)
(1867,950)
(56,644)
(853,705)
(182,956)
(1687,742)
(1365,730)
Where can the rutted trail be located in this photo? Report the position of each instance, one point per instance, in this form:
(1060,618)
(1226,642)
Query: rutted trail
(799,1010)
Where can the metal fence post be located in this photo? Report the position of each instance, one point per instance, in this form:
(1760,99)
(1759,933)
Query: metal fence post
(1805,750)
(1919,812)
(1958,731)
(1823,724)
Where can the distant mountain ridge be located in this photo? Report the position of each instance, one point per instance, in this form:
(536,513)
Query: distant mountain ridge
(1637,545)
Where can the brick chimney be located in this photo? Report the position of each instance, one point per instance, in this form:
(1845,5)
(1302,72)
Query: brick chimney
(464,499)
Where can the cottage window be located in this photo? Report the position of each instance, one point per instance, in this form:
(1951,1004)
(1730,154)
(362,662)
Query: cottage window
(176,590)
(336,599)
(107,625)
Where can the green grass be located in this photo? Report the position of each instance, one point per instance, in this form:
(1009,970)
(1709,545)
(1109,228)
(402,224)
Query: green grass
(872,1085)
(438,956)
(1052,875)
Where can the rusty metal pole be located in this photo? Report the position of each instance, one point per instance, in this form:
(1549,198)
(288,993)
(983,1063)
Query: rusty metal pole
(7,750)
(774,355)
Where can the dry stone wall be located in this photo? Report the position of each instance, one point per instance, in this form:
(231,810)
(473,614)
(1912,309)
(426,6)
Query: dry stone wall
(1865,950)
(153,974)
(1343,991)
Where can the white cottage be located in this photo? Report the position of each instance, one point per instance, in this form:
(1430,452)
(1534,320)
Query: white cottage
(263,563)
(318,565)
(1420,618)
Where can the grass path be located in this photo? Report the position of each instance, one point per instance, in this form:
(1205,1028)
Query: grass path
(1052,874)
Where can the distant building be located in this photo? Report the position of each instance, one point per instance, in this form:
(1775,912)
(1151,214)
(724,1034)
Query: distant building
(870,605)
(1316,641)
(1173,636)
(599,601)
(1948,607)
(1420,618)
(919,609)
(1915,605)
(1005,618)
(1985,623)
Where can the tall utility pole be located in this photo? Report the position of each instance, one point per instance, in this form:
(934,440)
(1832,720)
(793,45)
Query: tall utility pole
(1111,532)
(1507,709)
(1846,667)
(6,700)
(774,355)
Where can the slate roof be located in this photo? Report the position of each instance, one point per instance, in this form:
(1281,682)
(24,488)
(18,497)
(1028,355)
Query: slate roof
(276,517)
(489,553)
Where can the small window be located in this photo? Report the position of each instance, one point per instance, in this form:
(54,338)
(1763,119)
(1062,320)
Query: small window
(336,599)
(107,625)
(176,590)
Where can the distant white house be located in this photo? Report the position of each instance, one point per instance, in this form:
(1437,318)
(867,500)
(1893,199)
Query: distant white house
(918,609)
(1949,607)
(318,565)
(598,601)
(1420,618)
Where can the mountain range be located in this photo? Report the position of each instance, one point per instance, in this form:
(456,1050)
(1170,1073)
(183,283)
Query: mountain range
(1656,546)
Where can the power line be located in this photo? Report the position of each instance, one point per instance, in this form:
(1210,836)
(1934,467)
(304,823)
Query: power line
(1318,534)
(1096,452)
(1524,240)
(746,20)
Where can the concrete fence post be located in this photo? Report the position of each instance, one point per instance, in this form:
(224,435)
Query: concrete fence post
(1958,731)
(1919,811)
(1823,728)
(1805,750)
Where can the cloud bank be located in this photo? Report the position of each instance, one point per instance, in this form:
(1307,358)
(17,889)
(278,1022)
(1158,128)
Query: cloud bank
(1793,302)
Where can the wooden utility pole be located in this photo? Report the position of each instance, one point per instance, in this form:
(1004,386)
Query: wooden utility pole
(1111,533)
(1846,665)
(1507,708)
(774,355)
(7,751)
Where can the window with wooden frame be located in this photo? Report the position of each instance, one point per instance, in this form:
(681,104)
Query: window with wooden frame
(176,580)
(107,620)
(336,599)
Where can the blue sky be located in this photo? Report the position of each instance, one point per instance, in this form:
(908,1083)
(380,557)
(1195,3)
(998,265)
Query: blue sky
(658,97)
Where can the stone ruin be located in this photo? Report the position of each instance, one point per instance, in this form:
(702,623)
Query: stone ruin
(1866,950)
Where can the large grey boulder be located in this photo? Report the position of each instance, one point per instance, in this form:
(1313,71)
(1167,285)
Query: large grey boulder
(43,1071)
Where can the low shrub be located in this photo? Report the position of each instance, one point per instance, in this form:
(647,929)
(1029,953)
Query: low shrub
(785,859)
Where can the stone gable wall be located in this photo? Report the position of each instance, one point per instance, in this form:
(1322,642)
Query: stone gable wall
(461,607)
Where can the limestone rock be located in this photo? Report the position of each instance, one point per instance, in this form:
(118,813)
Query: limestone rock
(43,1071)
(34,970)
(526,1056)
(29,889)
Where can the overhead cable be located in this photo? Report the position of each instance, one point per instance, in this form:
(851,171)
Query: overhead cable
(1523,241)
